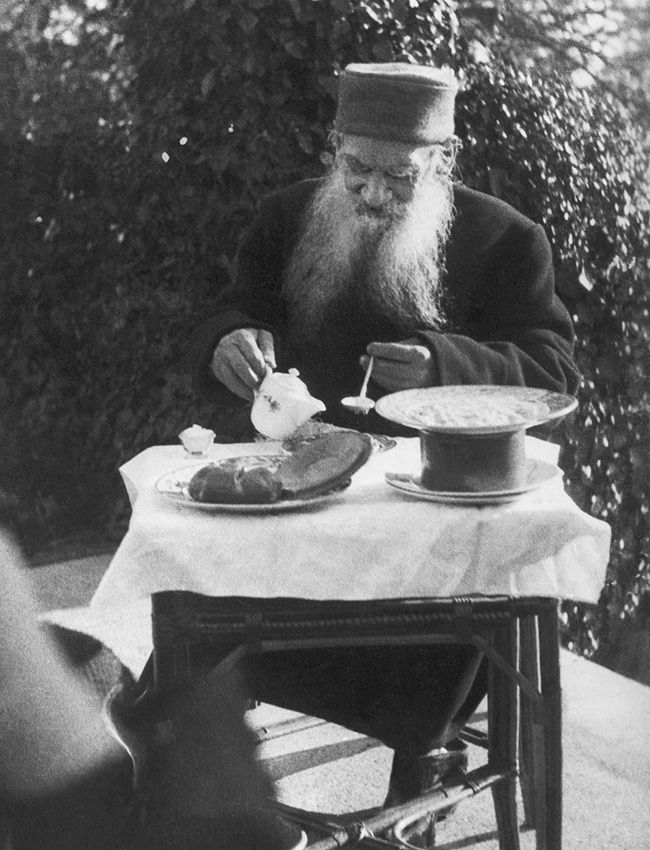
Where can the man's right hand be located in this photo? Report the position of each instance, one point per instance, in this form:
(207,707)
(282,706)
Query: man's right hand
(241,360)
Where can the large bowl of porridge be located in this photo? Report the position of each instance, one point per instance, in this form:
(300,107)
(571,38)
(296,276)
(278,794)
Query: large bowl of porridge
(474,408)
(472,436)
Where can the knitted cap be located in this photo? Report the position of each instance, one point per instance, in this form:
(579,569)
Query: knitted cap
(397,102)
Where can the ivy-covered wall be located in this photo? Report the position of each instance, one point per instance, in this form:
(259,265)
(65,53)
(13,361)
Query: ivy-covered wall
(137,140)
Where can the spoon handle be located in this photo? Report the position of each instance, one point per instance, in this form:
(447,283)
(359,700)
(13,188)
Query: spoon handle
(364,385)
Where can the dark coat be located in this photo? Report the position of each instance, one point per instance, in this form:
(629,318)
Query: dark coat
(506,324)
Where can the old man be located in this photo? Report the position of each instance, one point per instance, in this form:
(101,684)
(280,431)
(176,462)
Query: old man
(388,256)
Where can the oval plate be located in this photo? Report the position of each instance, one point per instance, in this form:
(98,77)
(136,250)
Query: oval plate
(538,473)
(474,408)
(173,486)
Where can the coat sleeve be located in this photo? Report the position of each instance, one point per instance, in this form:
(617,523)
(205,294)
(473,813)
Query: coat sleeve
(253,301)
(519,332)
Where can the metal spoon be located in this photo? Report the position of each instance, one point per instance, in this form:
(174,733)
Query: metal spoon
(360,403)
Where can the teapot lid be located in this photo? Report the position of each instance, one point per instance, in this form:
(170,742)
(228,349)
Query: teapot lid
(289,380)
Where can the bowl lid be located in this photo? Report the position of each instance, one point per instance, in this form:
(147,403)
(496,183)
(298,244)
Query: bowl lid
(474,408)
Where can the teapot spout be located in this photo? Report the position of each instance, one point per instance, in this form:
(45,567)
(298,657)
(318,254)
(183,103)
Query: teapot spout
(310,407)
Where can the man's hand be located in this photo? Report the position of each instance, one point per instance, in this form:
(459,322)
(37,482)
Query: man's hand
(241,359)
(401,365)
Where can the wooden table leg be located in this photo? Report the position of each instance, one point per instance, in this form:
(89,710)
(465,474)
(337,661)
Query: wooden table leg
(171,648)
(550,821)
(502,734)
(531,719)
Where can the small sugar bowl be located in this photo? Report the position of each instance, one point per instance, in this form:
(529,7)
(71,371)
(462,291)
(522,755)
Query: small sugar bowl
(197,441)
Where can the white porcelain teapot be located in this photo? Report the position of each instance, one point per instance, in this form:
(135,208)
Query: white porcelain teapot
(282,404)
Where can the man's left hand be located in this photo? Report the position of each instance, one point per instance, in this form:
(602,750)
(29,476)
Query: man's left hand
(401,365)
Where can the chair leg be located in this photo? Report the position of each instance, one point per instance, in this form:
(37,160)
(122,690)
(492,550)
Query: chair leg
(550,819)
(502,735)
(529,725)
(538,776)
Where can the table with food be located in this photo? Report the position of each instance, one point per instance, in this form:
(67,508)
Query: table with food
(325,513)
(469,507)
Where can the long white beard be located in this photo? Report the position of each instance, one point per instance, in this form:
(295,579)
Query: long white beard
(393,263)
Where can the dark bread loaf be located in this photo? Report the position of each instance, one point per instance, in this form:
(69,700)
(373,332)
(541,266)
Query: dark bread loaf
(323,463)
(260,485)
(326,462)
(311,430)
(235,482)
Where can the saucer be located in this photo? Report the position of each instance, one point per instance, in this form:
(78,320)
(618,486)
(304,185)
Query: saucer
(538,473)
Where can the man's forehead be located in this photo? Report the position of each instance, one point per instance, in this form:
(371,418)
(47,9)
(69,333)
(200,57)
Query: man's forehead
(383,153)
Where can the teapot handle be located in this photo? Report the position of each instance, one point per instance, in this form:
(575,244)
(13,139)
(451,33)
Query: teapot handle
(269,371)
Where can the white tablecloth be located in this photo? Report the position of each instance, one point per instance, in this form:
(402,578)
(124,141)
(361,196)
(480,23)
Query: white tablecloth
(370,542)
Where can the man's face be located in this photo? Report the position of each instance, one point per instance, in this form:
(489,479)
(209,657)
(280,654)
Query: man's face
(376,233)
(382,177)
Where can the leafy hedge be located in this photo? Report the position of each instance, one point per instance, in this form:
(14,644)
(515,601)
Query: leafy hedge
(567,159)
(138,139)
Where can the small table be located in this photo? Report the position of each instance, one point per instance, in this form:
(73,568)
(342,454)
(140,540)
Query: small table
(450,579)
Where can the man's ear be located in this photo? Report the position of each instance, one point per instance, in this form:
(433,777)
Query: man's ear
(336,141)
(431,160)
(442,156)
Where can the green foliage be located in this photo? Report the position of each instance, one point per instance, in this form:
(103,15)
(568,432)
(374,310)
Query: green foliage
(138,138)
(90,337)
(251,87)
(567,157)
(603,41)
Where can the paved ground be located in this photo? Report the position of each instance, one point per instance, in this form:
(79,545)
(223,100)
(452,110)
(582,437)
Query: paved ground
(606,735)
(606,740)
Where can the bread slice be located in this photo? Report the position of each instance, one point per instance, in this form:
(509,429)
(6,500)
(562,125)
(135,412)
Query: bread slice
(324,463)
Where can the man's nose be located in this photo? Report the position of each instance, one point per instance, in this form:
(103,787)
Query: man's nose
(375,192)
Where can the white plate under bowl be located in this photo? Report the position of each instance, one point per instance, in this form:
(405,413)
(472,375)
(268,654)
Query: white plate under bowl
(173,486)
(538,473)
(474,408)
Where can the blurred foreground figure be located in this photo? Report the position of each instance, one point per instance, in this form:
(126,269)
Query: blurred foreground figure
(67,780)
(61,773)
